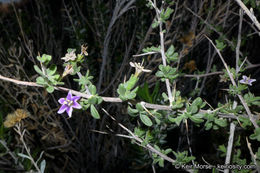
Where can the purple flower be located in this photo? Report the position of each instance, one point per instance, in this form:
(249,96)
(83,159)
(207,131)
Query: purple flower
(246,80)
(68,104)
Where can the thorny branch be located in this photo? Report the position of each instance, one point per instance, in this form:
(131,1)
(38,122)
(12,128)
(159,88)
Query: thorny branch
(147,146)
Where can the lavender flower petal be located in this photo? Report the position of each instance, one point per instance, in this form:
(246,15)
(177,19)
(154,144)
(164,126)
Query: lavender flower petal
(61,101)
(75,98)
(62,109)
(242,81)
(76,105)
(250,81)
(69,96)
(69,111)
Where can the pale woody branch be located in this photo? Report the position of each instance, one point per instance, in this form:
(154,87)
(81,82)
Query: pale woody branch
(112,99)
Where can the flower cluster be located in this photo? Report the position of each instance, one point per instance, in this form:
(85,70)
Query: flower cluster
(71,56)
(15,117)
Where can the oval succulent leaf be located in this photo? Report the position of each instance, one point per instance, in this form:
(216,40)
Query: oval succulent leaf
(38,70)
(132,112)
(94,112)
(51,71)
(50,89)
(40,80)
(92,89)
(146,120)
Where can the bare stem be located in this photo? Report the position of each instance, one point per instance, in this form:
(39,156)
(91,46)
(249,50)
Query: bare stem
(21,134)
(249,13)
(230,145)
(239,40)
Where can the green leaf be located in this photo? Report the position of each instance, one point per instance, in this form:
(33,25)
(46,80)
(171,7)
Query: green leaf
(182,157)
(100,100)
(251,99)
(244,121)
(256,135)
(131,82)
(155,24)
(121,90)
(50,89)
(194,109)
(258,153)
(171,55)
(143,92)
(152,49)
(167,72)
(84,80)
(132,112)
(38,70)
(165,14)
(161,162)
(148,137)
(56,77)
(69,50)
(208,126)
(215,127)
(51,71)
(177,105)
(44,59)
(171,118)
(167,151)
(92,89)
(139,132)
(92,100)
(179,119)
(165,97)
(139,107)
(170,51)
(60,83)
(146,120)
(130,95)
(222,148)
(94,112)
(198,101)
(85,106)
(220,45)
(40,80)
(221,122)
(47,57)
(197,118)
